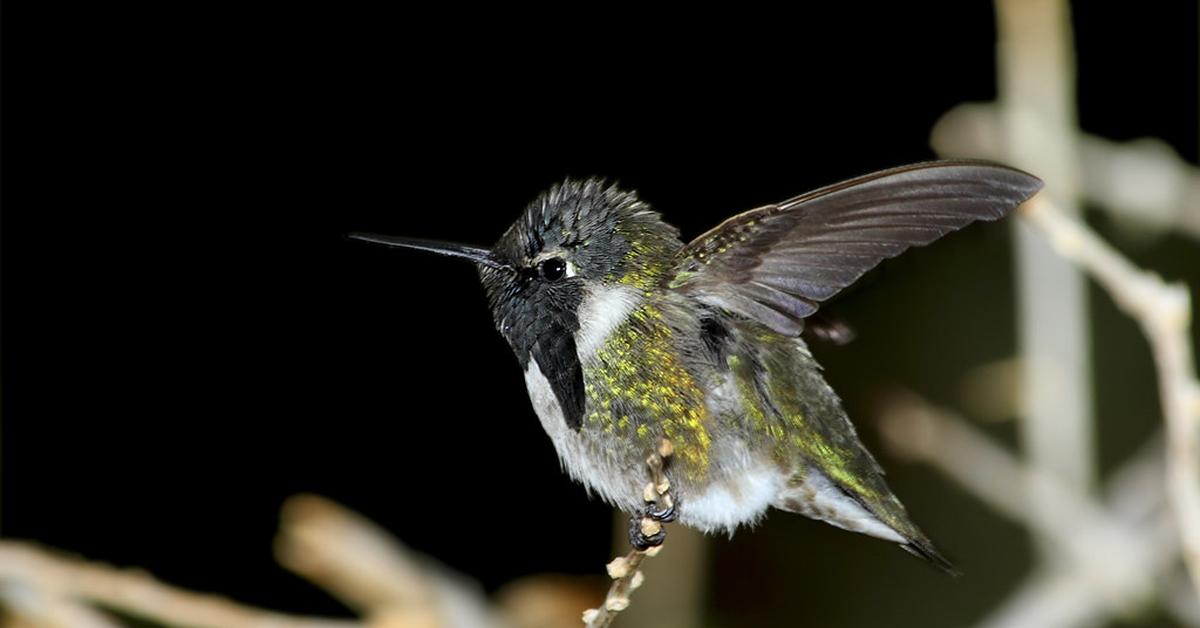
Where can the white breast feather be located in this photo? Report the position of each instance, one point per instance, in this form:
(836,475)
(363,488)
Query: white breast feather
(603,309)
(587,465)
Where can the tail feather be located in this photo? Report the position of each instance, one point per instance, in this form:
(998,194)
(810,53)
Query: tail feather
(923,548)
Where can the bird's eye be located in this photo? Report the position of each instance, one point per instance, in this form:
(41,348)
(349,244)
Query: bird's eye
(553,269)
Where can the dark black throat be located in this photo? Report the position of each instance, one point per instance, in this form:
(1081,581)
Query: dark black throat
(539,322)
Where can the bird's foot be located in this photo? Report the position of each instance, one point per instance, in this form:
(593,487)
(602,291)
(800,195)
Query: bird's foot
(646,530)
(666,514)
(645,533)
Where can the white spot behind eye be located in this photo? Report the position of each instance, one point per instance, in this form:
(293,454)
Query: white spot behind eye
(571,270)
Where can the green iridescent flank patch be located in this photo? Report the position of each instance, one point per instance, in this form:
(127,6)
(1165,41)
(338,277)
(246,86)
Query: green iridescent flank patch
(637,367)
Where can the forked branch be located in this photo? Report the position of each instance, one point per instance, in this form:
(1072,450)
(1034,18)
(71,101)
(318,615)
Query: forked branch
(1163,310)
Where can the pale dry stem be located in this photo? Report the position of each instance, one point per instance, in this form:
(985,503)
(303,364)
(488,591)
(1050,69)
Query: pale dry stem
(624,569)
(57,577)
(1163,311)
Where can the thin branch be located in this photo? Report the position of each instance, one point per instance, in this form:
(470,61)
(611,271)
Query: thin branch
(1035,64)
(136,592)
(371,572)
(1136,491)
(1144,181)
(624,570)
(673,595)
(1054,597)
(27,607)
(1180,601)
(1087,585)
(1075,527)
(1164,313)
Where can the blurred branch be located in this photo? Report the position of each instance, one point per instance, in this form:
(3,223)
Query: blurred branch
(1136,490)
(1164,313)
(1036,87)
(134,592)
(1181,602)
(28,607)
(624,570)
(339,550)
(1090,585)
(1078,525)
(1085,585)
(1143,180)
(1033,126)
(368,570)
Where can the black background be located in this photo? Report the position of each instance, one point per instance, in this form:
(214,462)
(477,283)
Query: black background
(189,338)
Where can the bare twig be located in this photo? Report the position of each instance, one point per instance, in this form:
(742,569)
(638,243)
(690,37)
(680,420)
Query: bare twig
(28,607)
(1033,126)
(371,572)
(624,570)
(136,592)
(1180,600)
(1076,527)
(1035,64)
(1164,312)
(673,594)
(1085,585)
(1144,181)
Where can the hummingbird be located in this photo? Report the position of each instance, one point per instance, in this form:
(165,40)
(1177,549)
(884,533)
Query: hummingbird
(627,336)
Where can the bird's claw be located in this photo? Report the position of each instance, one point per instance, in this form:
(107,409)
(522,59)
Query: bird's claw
(663,515)
(642,541)
(647,530)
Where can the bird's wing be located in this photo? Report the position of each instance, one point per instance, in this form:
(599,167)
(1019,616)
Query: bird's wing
(777,263)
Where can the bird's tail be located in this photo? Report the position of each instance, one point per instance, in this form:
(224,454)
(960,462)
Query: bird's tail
(924,548)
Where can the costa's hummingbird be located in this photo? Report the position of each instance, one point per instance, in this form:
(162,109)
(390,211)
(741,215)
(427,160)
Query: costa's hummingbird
(628,336)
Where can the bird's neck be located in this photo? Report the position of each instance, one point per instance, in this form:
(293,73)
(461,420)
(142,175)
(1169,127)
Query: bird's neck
(604,308)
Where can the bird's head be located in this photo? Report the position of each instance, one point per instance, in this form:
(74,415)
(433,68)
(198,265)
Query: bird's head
(577,239)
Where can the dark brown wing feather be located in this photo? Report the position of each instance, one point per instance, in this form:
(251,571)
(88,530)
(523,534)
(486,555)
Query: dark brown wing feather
(777,263)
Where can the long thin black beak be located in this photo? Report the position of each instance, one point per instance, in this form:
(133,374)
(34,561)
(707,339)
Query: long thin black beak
(450,249)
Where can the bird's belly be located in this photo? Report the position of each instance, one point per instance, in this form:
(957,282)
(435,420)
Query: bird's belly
(603,469)
(740,497)
(735,490)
